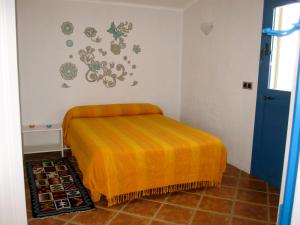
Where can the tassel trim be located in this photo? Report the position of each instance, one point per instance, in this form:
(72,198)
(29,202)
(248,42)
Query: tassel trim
(160,191)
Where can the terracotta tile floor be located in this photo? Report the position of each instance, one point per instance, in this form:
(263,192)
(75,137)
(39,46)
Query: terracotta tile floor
(242,200)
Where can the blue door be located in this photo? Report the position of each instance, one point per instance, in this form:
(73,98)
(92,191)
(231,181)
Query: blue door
(278,65)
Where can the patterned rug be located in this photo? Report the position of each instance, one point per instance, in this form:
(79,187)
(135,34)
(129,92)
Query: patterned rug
(56,188)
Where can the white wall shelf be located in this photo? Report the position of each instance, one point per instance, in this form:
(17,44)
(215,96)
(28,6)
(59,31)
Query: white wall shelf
(28,149)
(41,128)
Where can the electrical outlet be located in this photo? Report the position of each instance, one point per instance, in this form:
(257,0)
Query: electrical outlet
(247,85)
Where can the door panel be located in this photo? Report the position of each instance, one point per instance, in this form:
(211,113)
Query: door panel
(272,110)
(274,136)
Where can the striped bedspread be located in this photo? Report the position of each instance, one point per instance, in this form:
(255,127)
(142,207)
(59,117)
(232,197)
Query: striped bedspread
(128,156)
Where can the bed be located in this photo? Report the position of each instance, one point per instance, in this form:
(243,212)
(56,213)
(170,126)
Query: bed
(126,151)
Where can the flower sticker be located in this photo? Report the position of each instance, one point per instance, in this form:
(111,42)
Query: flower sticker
(102,52)
(68,71)
(134,83)
(65,85)
(111,65)
(121,30)
(136,49)
(87,56)
(91,33)
(104,71)
(116,48)
(67,28)
(69,43)
(94,66)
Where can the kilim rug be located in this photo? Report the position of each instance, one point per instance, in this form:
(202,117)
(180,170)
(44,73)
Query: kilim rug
(56,188)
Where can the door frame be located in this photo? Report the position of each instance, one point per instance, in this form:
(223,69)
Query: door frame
(262,90)
(12,193)
(288,192)
(289,198)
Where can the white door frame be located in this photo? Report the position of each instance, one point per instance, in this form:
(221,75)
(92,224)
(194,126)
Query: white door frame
(12,191)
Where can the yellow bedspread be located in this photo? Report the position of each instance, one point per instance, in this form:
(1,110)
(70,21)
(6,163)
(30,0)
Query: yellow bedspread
(128,155)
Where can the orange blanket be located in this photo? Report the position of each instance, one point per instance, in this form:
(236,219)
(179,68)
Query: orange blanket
(127,151)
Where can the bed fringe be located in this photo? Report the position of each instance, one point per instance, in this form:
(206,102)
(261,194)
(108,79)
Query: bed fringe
(161,190)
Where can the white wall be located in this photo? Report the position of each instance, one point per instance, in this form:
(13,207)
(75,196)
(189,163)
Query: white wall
(214,67)
(12,189)
(42,50)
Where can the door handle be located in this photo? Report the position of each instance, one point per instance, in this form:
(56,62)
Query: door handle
(265,98)
(265,51)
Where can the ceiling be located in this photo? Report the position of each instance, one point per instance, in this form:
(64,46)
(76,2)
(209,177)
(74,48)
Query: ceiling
(177,4)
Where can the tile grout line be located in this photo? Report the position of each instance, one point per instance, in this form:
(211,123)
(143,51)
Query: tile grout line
(137,215)
(215,212)
(157,211)
(251,179)
(201,210)
(248,189)
(71,219)
(235,198)
(197,207)
(129,214)
(161,220)
(117,213)
(64,220)
(98,207)
(74,222)
(173,204)
(241,188)
(67,222)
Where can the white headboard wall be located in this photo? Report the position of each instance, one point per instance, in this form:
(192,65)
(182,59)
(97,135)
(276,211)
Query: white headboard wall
(43,49)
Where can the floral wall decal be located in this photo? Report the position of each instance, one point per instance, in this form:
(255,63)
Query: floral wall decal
(68,71)
(102,52)
(112,64)
(116,48)
(69,43)
(121,30)
(67,28)
(64,85)
(136,49)
(134,83)
(107,72)
(91,33)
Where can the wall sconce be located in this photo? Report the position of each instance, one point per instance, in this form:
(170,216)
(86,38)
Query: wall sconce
(207,27)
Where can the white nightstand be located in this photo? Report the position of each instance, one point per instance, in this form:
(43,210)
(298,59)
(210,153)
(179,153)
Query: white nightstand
(44,148)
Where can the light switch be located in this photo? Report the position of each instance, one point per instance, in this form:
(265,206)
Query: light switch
(247,85)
